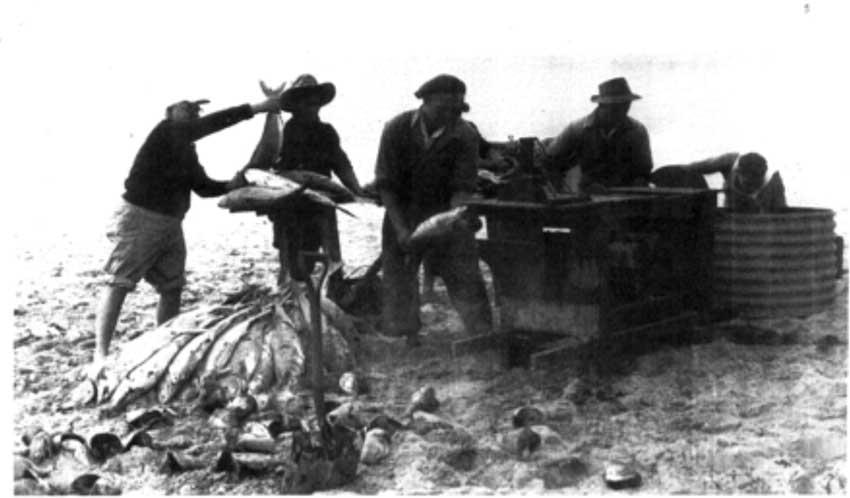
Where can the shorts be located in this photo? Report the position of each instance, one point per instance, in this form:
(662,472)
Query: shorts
(148,245)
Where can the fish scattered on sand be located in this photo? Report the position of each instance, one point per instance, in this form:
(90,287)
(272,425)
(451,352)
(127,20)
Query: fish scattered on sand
(526,416)
(424,399)
(620,475)
(376,446)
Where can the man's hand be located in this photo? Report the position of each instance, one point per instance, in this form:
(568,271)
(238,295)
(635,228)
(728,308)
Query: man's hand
(272,102)
(238,181)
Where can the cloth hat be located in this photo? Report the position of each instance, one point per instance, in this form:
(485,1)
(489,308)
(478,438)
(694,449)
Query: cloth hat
(193,103)
(614,91)
(304,86)
(443,83)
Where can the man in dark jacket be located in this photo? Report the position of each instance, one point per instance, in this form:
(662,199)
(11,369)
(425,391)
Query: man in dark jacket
(313,145)
(611,148)
(426,165)
(147,231)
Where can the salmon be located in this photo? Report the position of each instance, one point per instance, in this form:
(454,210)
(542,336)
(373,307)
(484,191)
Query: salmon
(321,183)
(441,226)
(187,360)
(147,374)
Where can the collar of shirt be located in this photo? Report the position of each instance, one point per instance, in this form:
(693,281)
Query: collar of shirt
(427,139)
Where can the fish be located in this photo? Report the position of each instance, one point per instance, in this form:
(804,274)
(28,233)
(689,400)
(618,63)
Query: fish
(222,349)
(183,365)
(338,318)
(146,375)
(311,179)
(423,399)
(254,198)
(287,351)
(621,475)
(271,140)
(441,226)
(140,349)
(262,178)
(376,446)
(263,375)
(526,416)
(175,462)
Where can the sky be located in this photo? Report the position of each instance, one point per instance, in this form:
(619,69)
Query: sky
(86,81)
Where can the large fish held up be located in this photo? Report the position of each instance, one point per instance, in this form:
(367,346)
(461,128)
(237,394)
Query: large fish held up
(441,226)
(287,189)
(271,140)
(311,179)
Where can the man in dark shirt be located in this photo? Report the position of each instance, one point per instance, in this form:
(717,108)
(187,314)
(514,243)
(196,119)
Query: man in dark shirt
(313,145)
(147,231)
(427,164)
(611,148)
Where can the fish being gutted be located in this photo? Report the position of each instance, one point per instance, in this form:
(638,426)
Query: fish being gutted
(441,226)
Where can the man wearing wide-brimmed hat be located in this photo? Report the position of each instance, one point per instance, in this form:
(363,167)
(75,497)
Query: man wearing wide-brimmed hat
(611,148)
(147,229)
(313,145)
(427,164)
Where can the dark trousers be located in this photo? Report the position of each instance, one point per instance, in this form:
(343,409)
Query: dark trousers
(456,262)
(304,230)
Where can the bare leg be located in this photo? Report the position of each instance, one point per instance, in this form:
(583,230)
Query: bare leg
(169,305)
(107,316)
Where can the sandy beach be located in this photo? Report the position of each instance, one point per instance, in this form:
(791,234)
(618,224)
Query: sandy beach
(732,413)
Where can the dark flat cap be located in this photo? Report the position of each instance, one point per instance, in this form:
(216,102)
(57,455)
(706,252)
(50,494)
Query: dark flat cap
(444,83)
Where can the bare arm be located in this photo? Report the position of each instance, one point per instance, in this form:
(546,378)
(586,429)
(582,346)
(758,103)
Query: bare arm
(718,164)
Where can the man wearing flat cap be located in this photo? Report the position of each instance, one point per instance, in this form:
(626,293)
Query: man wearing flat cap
(147,228)
(426,165)
(611,148)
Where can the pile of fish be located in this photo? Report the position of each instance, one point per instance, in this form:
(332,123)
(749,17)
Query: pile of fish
(268,191)
(242,349)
